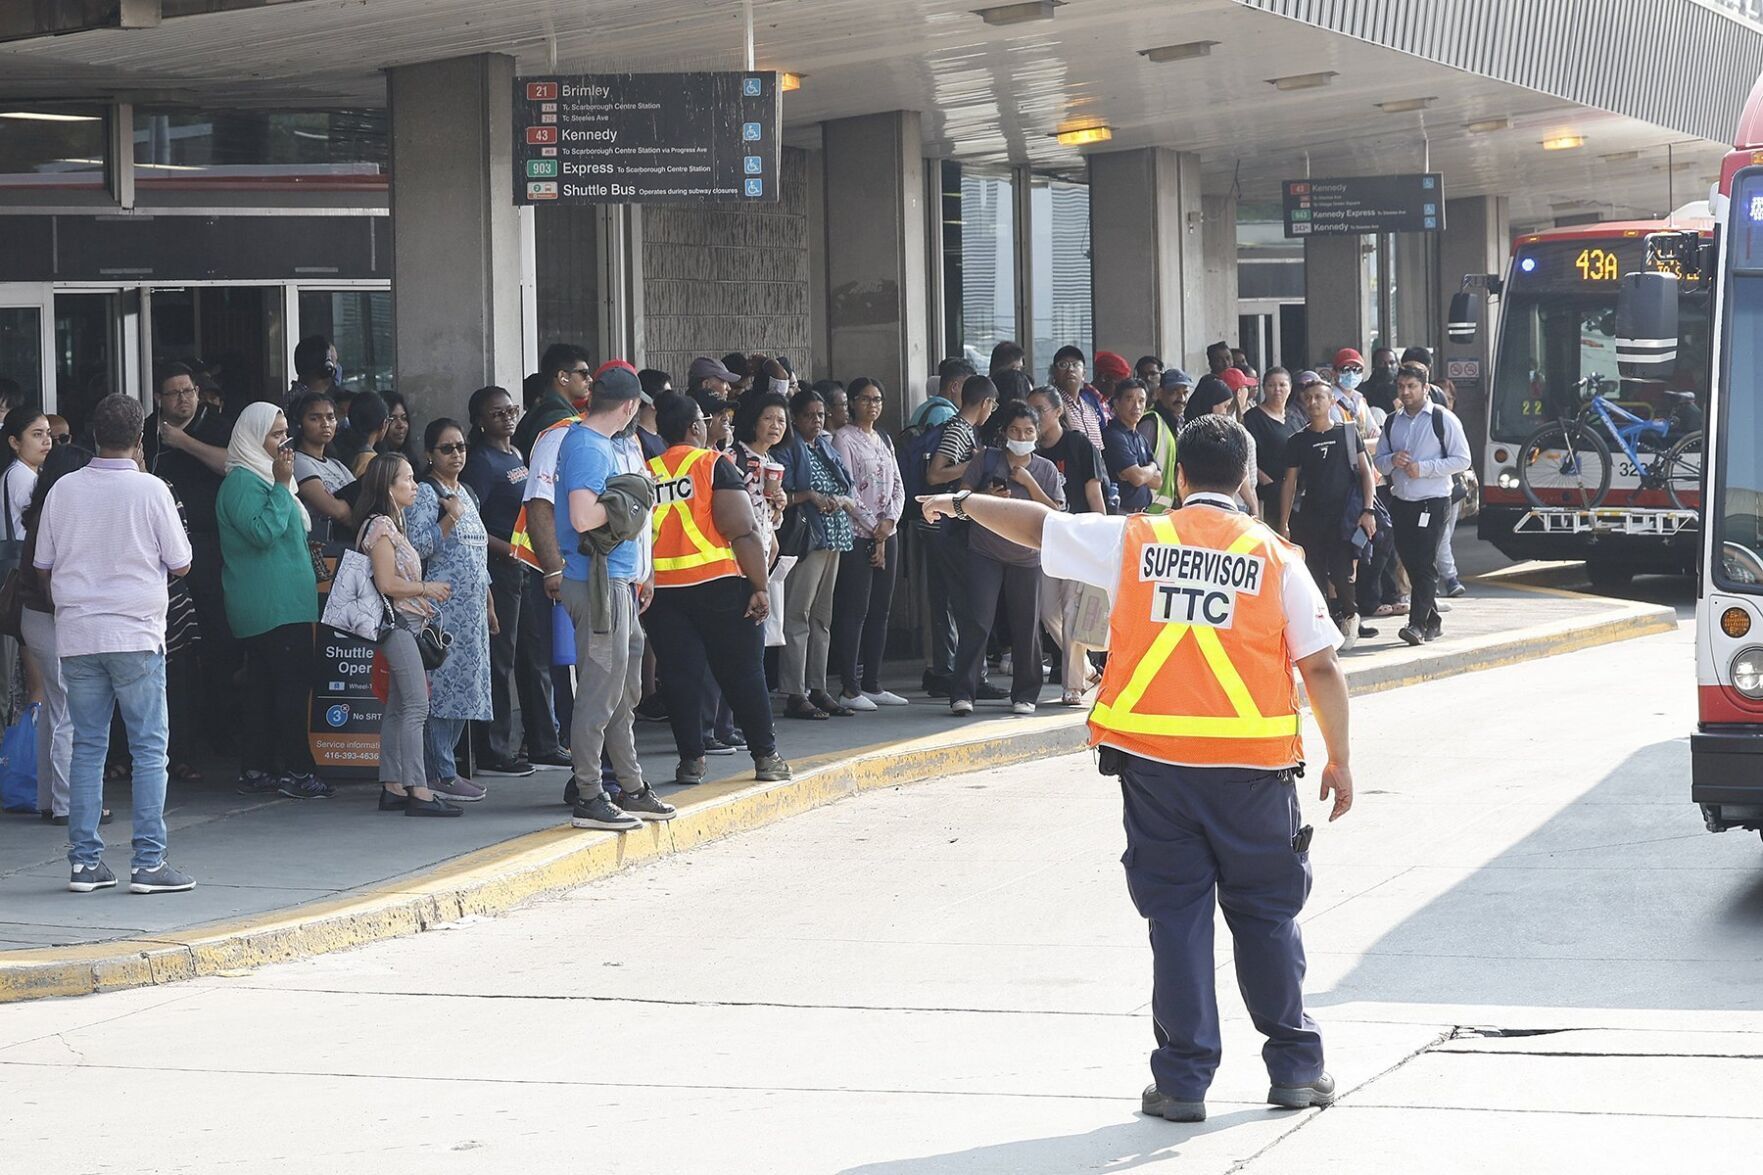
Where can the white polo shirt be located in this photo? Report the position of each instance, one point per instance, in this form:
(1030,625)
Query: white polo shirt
(1089,548)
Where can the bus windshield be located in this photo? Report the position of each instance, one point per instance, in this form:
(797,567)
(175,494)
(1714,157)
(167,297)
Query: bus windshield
(1739,521)
(1549,342)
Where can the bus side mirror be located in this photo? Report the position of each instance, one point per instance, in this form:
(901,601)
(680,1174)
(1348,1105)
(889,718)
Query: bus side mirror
(1646,325)
(1465,317)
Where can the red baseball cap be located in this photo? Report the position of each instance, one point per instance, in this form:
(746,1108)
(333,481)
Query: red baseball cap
(611,363)
(1347,355)
(1236,380)
(1112,366)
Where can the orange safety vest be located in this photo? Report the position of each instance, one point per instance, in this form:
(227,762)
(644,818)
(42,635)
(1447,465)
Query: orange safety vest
(689,549)
(520,540)
(1198,674)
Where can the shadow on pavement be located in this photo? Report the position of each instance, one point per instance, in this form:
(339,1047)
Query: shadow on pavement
(1138,1143)
(1620,900)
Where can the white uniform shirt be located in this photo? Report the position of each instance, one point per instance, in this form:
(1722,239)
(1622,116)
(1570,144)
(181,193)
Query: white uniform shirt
(1089,548)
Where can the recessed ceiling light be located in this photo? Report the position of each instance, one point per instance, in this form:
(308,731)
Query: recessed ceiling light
(1620,156)
(1081,136)
(790,81)
(46,116)
(1405,105)
(1018,13)
(1483,126)
(1303,81)
(1563,142)
(1183,52)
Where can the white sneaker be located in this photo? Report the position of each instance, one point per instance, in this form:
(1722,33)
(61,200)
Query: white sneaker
(1022,708)
(885,698)
(1349,634)
(1441,605)
(860,702)
(961,708)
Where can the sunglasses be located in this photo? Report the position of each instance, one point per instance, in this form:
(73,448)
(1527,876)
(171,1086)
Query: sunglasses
(503,413)
(64,439)
(452,449)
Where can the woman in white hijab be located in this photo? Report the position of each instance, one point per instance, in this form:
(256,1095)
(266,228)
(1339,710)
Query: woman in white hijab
(271,602)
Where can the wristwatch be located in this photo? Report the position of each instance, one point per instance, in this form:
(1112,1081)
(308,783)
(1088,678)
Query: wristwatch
(959,501)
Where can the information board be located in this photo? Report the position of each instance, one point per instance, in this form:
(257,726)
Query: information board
(1349,205)
(642,137)
(343,720)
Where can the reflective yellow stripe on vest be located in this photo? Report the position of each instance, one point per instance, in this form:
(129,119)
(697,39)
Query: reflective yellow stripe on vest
(1248,721)
(703,550)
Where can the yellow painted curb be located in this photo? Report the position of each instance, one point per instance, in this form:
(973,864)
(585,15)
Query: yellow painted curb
(498,878)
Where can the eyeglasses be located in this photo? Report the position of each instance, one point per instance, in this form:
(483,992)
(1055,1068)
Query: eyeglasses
(867,400)
(452,449)
(1354,367)
(64,439)
(1070,364)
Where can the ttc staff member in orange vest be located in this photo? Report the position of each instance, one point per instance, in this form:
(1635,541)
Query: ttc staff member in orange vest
(711,593)
(1198,715)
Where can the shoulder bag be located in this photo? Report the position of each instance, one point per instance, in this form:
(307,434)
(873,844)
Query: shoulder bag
(355,604)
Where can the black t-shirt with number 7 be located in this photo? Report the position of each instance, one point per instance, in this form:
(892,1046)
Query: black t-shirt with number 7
(1325,475)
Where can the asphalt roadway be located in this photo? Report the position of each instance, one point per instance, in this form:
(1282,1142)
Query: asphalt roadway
(1526,955)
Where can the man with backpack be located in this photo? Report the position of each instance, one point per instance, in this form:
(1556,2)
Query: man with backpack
(1423,449)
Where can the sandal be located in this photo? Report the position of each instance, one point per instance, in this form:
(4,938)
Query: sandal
(117,772)
(1071,698)
(1385,610)
(184,773)
(799,707)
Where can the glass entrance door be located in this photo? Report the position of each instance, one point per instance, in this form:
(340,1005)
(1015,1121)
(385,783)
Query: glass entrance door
(27,341)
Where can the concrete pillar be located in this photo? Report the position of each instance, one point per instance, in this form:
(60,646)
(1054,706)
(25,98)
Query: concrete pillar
(1147,272)
(456,240)
(874,188)
(1477,239)
(1417,319)
(1335,292)
(1219,250)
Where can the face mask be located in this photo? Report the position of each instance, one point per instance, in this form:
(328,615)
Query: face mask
(1350,379)
(1020,448)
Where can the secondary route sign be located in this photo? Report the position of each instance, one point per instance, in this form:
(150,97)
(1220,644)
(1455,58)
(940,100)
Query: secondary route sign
(643,137)
(1347,205)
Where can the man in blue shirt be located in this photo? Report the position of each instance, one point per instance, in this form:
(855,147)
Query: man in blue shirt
(1423,448)
(609,665)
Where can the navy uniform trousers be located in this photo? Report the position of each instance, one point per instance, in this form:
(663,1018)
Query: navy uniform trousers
(1193,834)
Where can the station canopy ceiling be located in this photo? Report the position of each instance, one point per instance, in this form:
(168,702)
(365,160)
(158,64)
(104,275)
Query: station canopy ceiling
(991,94)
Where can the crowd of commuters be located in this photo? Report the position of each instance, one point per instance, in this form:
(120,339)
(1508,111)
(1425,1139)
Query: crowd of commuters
(601,547)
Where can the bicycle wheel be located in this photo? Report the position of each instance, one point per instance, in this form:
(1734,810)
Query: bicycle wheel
(1564,465)
(1681,471)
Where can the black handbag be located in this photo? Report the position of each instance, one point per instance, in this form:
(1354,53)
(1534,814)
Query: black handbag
(794,538)
(433,643)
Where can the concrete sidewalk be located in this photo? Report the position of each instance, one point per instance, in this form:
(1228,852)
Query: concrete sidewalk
(281,878)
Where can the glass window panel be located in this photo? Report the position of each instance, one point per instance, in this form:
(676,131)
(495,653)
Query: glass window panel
(359,323)
(21,349)
(260,148)
(52,147)
(1059,224)
(988,265)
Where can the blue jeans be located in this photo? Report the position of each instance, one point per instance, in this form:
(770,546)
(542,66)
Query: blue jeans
(440,737)
(135,684)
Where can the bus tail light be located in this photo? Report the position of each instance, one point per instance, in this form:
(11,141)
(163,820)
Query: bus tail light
(1747,673)
(1735,622)
(1502,455)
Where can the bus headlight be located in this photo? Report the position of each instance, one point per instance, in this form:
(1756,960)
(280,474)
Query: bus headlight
(1508,479)
(1747,673)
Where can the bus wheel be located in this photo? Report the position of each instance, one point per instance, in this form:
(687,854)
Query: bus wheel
(1609,577)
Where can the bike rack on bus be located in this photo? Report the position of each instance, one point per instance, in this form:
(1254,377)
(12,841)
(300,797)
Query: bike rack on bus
(1610,520)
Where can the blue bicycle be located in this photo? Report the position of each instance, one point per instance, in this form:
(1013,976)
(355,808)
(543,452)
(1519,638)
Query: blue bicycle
(1566,464)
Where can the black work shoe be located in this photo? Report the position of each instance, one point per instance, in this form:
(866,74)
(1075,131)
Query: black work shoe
(934,684)
(1411,635)
(433,806)
(689,771)
(1156,1104)
(513,768)
(600,812)
(1434,631)
(557,758)
(1300,1097)
(715,746)
(987,692)
(391,801)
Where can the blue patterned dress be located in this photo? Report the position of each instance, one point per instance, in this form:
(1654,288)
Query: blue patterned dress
(460,688)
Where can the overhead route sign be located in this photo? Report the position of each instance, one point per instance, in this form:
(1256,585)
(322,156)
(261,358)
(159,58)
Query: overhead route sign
(1347,205)
(646,137)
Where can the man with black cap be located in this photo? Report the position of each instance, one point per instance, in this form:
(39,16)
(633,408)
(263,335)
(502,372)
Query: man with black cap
(712,376)
(609,662)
